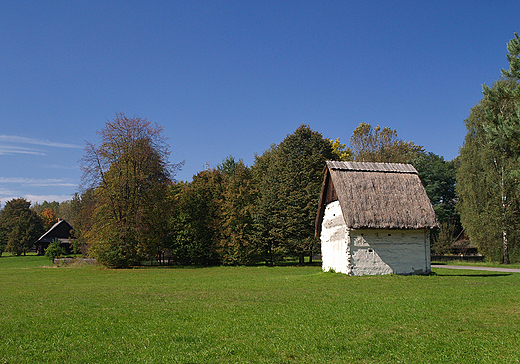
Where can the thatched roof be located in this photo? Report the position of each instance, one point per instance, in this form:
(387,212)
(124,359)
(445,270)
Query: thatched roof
(376,196)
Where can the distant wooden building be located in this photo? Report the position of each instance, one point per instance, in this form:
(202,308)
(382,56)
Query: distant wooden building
(62,231)
(374,218)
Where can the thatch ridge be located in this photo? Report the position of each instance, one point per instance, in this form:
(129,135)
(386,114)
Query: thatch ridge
(372,167)
(377,196)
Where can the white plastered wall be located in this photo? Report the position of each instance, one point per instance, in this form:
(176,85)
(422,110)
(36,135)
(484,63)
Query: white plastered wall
(389,251)
(334,242)
(371,251)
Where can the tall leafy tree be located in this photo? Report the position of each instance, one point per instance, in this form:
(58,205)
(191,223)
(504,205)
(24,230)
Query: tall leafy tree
(82,208)
(378,144)
(20,226)
(196,222)
(290,177)
(238,245)
(495,124)
(268,233)
(439,180)
(489,193)
(340,150)
(48,217)
(502,122)
(130,175)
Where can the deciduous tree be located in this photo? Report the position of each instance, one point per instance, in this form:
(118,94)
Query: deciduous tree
(48,217)
(196,221)
(129,174)
(439,180)
(381,145)
(237,244)
(489,193)
(340,150)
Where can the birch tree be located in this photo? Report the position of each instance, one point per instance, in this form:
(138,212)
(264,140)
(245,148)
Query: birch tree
(488,190)
(495,123)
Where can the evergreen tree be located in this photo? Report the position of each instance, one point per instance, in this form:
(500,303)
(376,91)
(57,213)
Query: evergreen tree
(20,226)
(289,177)
(502,122)
(196,222)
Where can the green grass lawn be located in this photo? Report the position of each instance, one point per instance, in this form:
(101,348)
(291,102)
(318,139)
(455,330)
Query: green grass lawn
(253,315)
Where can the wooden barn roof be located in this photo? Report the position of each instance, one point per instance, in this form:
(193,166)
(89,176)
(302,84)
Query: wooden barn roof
(60,230)
(376,196)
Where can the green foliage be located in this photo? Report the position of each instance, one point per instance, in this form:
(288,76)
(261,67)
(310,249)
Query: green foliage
(229,165)
(20,226)
(289,178)
(196,219)
(490,165)
(82,207)
(129,174)
(489,193)
(252,315)
(340,151)
(502,122)
(54,250)
(439,180)
(3,239)
(378,144)
(444,238)
(238,245)
(61,210)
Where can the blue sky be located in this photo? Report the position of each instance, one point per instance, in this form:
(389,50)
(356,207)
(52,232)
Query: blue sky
(233,77)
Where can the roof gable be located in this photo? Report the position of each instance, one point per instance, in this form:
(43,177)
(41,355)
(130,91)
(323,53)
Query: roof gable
(60,230)
(376,195)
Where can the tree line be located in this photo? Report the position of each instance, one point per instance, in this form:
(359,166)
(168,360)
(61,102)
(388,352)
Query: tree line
(131,209)
(22,224)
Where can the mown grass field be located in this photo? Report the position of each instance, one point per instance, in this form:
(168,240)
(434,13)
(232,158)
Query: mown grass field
(253,315)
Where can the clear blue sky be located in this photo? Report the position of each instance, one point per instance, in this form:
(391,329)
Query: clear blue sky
(233,77)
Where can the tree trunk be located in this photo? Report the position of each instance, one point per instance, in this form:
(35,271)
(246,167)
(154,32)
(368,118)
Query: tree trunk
(506,247)
(504,218)
(270,256)
(301,259)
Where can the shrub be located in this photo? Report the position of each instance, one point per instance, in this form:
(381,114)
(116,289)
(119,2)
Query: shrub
(54,250)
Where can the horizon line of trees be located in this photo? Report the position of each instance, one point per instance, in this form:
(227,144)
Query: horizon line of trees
(130,209)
